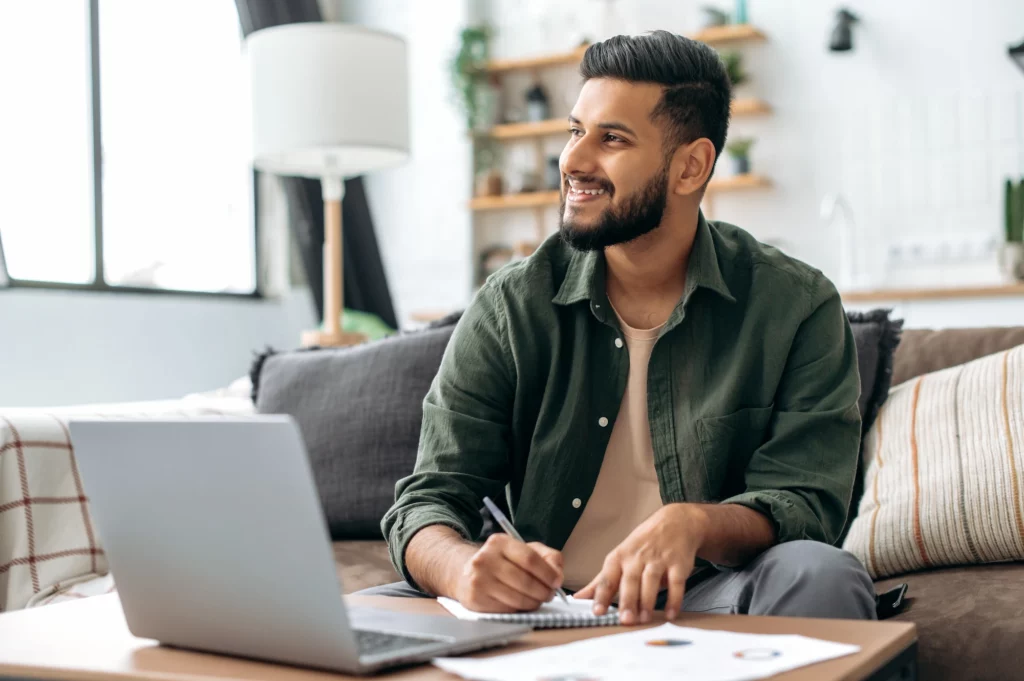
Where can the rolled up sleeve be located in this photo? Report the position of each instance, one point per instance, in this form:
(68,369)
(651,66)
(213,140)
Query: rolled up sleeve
(464,439)
(802,477)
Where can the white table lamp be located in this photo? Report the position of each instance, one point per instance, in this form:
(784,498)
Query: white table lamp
(329,101)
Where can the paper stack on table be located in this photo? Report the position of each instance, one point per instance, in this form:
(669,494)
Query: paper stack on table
(668,653)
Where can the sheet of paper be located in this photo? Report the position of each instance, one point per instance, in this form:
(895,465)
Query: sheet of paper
(575,608)
(665,653)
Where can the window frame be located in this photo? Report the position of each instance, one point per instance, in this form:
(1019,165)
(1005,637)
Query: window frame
(99,283)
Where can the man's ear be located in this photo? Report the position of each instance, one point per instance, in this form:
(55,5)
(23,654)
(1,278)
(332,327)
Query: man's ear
(691,166)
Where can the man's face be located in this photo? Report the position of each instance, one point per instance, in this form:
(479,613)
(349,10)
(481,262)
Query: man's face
(615,175)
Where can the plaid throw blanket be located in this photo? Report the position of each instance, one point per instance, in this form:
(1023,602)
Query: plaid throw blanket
(49,550)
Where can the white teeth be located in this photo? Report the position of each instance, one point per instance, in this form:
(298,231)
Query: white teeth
(593,192)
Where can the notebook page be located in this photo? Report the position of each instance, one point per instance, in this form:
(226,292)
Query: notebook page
(577,612)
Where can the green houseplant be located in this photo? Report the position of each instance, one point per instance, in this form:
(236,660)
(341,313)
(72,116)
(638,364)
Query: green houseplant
(739,150)
(470,83)
(734,67)
(1011,254)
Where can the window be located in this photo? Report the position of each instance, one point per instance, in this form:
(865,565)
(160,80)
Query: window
(176,188)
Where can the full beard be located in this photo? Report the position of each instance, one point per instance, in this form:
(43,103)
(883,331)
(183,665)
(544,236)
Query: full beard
(639,214)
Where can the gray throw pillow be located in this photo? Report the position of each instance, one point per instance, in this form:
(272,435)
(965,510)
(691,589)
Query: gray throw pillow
(876,337)
(359,410)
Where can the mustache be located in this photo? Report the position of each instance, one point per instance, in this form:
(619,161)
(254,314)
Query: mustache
(591,179)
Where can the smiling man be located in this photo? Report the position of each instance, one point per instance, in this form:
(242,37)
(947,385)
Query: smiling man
(668,407)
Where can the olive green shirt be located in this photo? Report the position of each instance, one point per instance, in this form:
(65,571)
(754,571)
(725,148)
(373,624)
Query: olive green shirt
(752,396)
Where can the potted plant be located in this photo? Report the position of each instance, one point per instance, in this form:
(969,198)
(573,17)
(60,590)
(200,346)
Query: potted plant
(1011,255)
(486,162)
(734,67)
(739,150)
(475,95)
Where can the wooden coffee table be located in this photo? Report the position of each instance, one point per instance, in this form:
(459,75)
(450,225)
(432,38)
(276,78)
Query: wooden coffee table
(88,640)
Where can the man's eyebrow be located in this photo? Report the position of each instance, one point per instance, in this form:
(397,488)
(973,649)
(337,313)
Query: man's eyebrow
(610,125)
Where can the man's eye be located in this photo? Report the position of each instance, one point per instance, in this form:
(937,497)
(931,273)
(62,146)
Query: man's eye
(575,132)
(614,138)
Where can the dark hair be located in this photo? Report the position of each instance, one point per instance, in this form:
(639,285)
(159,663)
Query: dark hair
(697,90)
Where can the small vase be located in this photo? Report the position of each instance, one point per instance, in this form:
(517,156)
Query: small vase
(489,184)
(1011,260)
(740,165)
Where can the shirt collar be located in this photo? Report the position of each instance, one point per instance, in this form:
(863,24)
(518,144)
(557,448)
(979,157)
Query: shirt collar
(585,276)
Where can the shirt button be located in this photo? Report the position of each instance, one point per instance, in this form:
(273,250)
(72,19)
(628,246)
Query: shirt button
(603,422)
(618,342)
(576,503)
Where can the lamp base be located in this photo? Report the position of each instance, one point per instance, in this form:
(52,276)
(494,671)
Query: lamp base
(331,340)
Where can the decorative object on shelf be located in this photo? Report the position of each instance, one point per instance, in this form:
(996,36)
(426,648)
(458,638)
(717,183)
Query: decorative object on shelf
(841,39)
(472,86)
(486,164)
(712,16)
(850,270)
(523,250)
(493,259)
(538,107)
(552,174)
(1011,253)
(734,67)
(739,151)
(523,181)
(328,101)
(741,12)
(4,278)
(1016,53)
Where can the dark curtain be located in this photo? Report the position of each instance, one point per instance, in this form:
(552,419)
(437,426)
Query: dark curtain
(366,285)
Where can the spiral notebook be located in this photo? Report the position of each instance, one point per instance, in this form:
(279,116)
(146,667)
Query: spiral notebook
(552,615)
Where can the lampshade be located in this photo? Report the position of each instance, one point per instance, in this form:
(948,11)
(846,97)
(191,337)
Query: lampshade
(328,100)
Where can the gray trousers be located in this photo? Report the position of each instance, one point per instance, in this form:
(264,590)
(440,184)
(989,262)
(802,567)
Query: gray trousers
(795,579)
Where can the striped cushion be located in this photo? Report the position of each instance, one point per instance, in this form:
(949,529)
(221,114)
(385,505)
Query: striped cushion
(945,471)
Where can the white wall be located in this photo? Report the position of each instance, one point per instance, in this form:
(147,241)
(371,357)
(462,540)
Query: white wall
(916,128)
(71,347)
(418,209)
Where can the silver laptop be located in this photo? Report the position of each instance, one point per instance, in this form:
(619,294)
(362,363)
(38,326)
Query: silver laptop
(216,539)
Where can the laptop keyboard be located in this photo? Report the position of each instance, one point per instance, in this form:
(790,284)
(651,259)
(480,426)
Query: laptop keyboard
(378,642)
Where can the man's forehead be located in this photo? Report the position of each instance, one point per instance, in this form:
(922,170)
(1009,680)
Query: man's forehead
(603,99)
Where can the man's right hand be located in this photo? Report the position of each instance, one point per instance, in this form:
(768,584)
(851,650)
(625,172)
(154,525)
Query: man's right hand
(506,575)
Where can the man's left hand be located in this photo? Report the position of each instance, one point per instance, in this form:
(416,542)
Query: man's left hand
(659,553)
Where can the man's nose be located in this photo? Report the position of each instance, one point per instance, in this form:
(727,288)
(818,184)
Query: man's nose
(578,159)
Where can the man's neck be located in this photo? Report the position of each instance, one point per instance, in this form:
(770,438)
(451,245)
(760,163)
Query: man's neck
(646,278)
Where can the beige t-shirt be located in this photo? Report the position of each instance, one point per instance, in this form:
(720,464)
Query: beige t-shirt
(627,490)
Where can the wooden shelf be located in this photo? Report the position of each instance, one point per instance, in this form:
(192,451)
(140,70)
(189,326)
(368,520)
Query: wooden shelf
(570,58)
(897,294)
(559,126)
(730,33)
(524,200)
(750,106)
(555,126)
(735,183)
(552,198)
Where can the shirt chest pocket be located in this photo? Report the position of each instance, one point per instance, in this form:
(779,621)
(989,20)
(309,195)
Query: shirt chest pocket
(727,443)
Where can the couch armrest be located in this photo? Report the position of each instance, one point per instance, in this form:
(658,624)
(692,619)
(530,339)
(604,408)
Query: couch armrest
(47,539)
